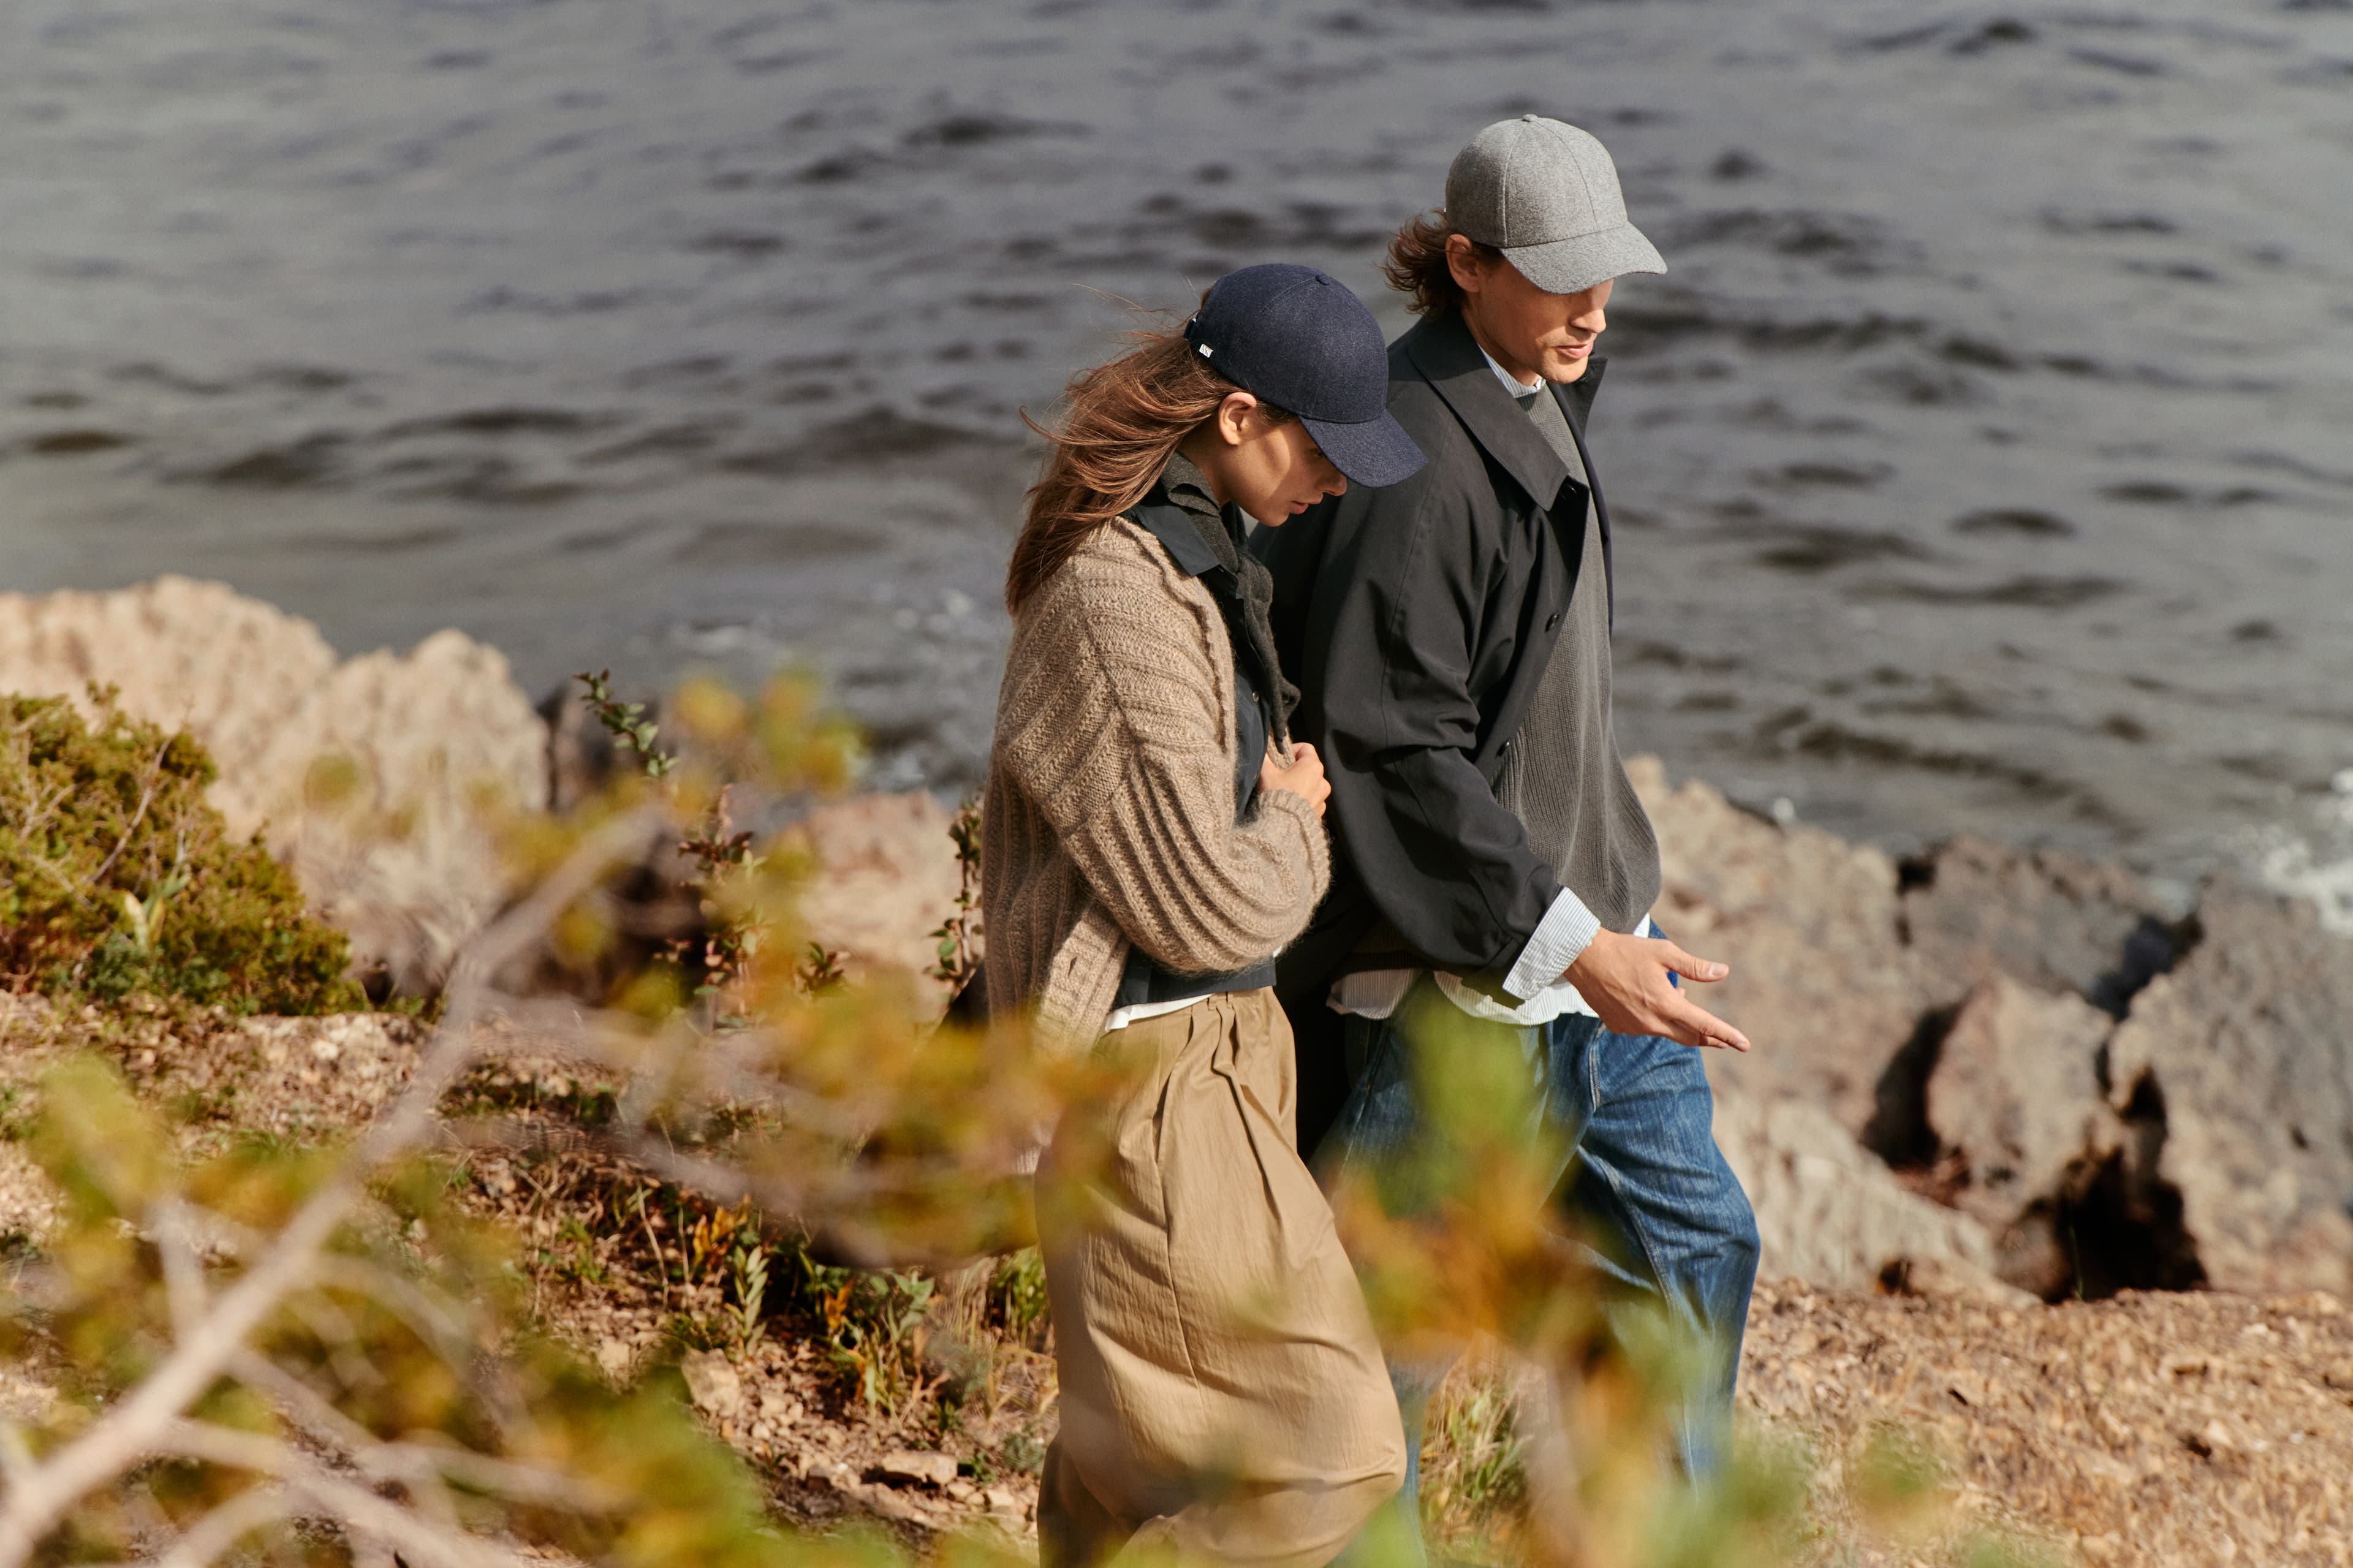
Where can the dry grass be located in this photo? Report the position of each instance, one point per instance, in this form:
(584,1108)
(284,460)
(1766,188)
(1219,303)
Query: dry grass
(2160,1430)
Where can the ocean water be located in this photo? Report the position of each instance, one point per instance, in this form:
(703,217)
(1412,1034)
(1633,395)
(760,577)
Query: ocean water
(1985,461)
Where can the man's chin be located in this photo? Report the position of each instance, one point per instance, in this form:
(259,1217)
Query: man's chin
(1566,370)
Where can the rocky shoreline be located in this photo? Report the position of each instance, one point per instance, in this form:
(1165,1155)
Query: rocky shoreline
(2001,1064)
(2120,1097)
(1986,1078)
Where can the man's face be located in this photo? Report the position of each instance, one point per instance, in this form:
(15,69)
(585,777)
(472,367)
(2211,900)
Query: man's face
(1529,332)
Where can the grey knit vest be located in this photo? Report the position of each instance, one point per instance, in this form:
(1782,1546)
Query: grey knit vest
(1564,780)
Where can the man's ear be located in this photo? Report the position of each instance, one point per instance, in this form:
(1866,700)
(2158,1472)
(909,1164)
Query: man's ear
(1463,263)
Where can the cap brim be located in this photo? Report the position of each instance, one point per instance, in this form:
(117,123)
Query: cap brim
(1572,266)
(1375,453)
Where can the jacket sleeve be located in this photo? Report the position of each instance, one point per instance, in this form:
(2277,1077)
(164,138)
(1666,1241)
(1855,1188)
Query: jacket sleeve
(1406,598)
(1124,745)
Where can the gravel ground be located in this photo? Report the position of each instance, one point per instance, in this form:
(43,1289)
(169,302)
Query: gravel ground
(2154,1429)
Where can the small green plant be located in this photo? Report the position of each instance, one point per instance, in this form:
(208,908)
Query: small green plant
(958,959)
(579,1262)
(2006,1552)
(1900,1484)
(1017,1296)
(1474,1465)
(719,957)
(118,877)
(873,1324)
(750,1267)
(1024,1452)
(691,1331)
(625,722)
(819,972)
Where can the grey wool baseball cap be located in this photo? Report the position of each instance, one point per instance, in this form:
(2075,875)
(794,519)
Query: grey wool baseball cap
(1546,195)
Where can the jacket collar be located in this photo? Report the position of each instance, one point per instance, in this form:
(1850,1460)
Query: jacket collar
(1178,507)
(1449,358)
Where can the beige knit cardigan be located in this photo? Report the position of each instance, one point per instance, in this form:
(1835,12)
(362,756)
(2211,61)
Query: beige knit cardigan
(1110,814)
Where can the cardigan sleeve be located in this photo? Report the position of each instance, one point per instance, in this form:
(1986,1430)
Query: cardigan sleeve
(1115,725)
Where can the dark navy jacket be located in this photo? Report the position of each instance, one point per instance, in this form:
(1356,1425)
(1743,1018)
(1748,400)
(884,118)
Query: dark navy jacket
(1417,621)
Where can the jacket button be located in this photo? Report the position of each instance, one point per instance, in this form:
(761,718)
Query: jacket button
(1552,620)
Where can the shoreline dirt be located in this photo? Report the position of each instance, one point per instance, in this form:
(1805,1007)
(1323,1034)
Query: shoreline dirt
(2185,1429)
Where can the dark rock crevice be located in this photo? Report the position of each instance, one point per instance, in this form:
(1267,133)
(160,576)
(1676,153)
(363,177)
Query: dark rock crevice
(2122,1221)
(1898,1131)
(2152,948)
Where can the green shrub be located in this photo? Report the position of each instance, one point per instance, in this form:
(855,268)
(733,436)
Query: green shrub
(116,877)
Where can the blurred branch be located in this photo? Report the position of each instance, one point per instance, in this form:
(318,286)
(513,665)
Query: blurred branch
(353,1506)
(133,1428)
(15,1459)
(184,1276)
(410,1463)
(223,1528)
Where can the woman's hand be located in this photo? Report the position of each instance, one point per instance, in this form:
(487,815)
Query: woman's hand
(1305,776)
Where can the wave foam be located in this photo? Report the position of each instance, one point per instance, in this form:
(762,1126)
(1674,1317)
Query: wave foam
(2318,866)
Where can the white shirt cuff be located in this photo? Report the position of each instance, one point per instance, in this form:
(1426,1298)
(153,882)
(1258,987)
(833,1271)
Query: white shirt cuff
(1567,928)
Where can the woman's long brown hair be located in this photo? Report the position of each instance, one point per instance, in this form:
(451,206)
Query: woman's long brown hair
(1121,422)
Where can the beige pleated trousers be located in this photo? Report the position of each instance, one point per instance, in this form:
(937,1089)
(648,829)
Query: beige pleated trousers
(1223,1396)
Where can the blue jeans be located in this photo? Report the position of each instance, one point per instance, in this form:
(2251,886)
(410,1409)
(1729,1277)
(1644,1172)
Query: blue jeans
(1664,1216)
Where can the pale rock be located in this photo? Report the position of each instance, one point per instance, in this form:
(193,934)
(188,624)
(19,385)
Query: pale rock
(1827,1211)
(711,1383)
(906,1466)
(1821,982)
(400,861)
(2016,1094)
(613,1358)
(888,877)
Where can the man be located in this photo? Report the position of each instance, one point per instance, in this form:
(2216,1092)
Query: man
(1451,639)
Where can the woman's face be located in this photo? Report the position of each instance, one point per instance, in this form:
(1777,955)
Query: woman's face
(1272,471)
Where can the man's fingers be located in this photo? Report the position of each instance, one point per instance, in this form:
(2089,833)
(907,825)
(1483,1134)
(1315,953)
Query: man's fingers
(1705,1028)
(1690,968)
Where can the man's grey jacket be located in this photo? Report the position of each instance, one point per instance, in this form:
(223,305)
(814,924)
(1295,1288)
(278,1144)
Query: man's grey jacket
(1417,621)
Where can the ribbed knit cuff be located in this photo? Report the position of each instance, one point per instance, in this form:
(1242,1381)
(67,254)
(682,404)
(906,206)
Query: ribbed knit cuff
(1567,928)
(1310,829)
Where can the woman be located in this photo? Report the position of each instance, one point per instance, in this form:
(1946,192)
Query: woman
(1152,838)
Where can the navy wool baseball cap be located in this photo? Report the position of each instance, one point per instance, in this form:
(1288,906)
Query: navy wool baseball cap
(1296,337)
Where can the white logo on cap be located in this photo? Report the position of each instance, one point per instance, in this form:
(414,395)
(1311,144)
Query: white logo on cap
(1205,350)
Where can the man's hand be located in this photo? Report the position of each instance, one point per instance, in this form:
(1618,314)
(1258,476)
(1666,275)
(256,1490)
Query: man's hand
(1624,979)
(1305,776)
